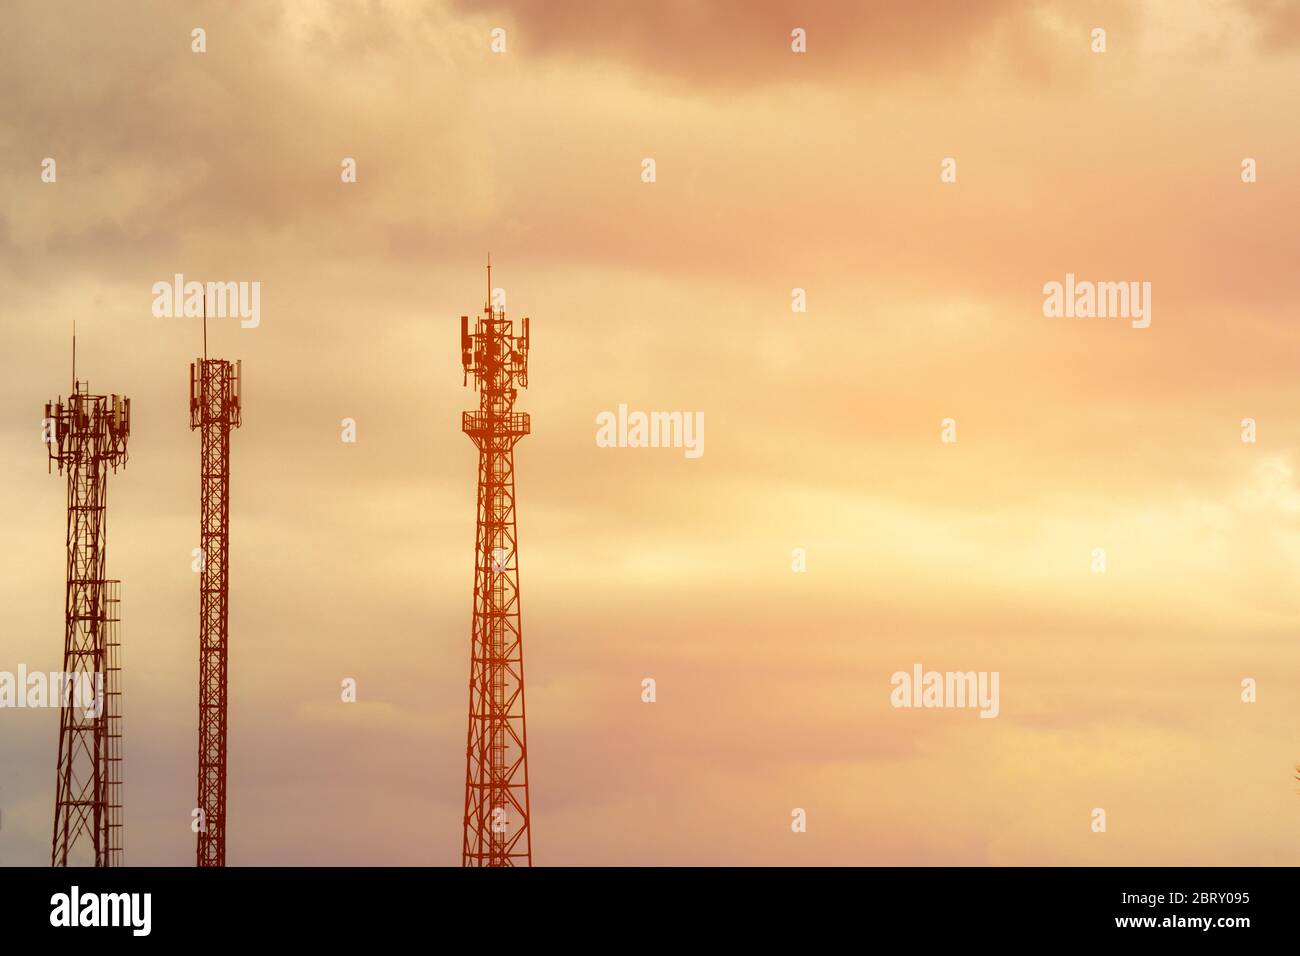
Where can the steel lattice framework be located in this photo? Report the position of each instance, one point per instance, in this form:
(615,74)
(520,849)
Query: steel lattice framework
(214,410)
(497,824)
(86,436)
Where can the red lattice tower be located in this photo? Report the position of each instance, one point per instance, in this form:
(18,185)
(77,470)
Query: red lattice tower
(214,410)
(87,435)
(497,824)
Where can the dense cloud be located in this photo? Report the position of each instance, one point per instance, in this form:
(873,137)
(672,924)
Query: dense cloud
(774,172)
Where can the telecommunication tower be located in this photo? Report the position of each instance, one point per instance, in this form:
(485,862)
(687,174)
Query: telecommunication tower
(214,410)
(87,435)
(497,825)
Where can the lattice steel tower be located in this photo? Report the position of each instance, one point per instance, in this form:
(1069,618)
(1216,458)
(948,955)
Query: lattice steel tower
(86,436)
(215,410)
(497,830)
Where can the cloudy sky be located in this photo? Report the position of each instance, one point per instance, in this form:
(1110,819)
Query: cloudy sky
(774,171)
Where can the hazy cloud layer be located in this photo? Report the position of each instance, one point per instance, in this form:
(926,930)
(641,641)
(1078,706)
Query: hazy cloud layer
(774,172)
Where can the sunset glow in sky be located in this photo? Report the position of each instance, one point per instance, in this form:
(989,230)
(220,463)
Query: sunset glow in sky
(774,171)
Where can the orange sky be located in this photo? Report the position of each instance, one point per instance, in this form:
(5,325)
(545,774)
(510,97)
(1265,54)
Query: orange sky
(774,171)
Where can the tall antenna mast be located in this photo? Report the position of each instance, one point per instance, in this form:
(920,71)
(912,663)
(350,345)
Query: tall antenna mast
(205,323)
(74,355)
(89,439)
(496,820)
(216,407)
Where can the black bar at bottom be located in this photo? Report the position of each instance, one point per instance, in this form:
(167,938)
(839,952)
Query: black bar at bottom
(656,906)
